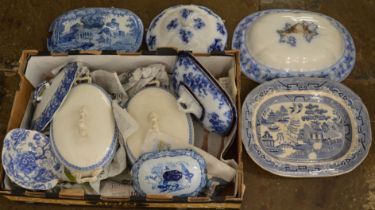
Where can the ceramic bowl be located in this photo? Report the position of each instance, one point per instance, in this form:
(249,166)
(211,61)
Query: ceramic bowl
(49,96)
(305,127)
(28,160)
(96,29)
(200,94)
(155,109)
(293,43)
(83,132)
(176,172)
(187,27)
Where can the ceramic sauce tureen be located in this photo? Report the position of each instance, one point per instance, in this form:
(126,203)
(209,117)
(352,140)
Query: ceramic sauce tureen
(305,127)
(293,43)
(96,29)
(175,172)
(187,27)
(28,160)
(155,109)
(200,94)
(83,132)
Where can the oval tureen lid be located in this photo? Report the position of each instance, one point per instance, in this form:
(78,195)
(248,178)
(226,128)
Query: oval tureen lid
(157,103)
(187,27)
(83,131)
(290,43)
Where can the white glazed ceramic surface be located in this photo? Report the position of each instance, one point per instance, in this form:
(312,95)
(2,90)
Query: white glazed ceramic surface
(28,160)
(83,131)
(187,27)
(157,104)
(175,172)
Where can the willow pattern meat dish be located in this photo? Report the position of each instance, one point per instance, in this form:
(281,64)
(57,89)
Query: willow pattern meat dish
(96,29)
(305,127)
(293,43)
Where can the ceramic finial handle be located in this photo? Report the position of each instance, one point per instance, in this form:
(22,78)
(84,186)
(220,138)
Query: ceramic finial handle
(154,117)
(82,122)
(187,102)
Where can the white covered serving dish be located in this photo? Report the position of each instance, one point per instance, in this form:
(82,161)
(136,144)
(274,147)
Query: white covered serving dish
(83,132)
(293,43)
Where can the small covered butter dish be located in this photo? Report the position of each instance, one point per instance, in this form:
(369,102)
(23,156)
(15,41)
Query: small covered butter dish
(187,27)
(293,43)
(175,172)
(83,132)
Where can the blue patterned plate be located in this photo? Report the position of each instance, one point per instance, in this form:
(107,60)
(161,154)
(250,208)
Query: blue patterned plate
(176,172)
(28,160)
(293,43)
(187,27)
(48,96)
(305,127)
(96,29)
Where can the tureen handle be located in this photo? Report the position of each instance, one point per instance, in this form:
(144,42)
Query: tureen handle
(188,103)
(37,95)
(92,177)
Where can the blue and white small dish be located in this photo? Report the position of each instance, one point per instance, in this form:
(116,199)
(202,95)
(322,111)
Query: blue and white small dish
(282,43)
(200,94)
(28,160)
(83,132)
(187,27)
(176,172)
(96,29)
(49,96)
(305,127)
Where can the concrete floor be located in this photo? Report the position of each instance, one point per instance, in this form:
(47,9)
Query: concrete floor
(25,25)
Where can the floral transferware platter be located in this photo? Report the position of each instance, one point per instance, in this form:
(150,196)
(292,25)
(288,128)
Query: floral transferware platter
(176,172)
(293,43)
(28,160)
(200,94)
(83,132)
(96,29)
(305,127)
(49,96)
(187,27)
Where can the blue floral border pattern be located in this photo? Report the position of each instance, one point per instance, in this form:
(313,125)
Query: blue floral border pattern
(70,72)
(293,169)
(93,33)
(188,72)
(28,160)
(170,153)
(217,44)
(103,162)
(261,73)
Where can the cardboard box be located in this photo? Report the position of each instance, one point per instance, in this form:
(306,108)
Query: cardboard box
(34,67)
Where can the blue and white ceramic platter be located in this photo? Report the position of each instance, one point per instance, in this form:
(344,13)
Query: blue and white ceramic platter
(187,27)
(293,43)
(176,172)
(96,29)
(52,95)
(219,113)
(305,127)
(28,160)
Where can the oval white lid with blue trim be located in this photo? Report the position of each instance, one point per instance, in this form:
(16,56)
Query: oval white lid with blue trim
(83,131)
(187,27)
(293,43)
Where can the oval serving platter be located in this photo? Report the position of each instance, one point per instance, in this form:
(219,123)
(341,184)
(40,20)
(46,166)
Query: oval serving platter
(176,172)
(96,29)
(281,43)
(305,127)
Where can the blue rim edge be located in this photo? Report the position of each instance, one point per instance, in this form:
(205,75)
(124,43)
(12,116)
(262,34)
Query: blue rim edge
(360,113)
(170,153)
(261,73)
(106,159)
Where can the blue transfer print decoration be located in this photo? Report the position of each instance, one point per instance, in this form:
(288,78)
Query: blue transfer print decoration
(185,13)
(198,23)
(185,35)
(96,29)
(220,28)
(173,24)
(261,73)
(306,28)
(290,129)
(172,172)
(216,46)
(28,160)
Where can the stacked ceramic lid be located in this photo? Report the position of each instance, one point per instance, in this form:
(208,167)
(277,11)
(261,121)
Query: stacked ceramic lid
(302,122)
